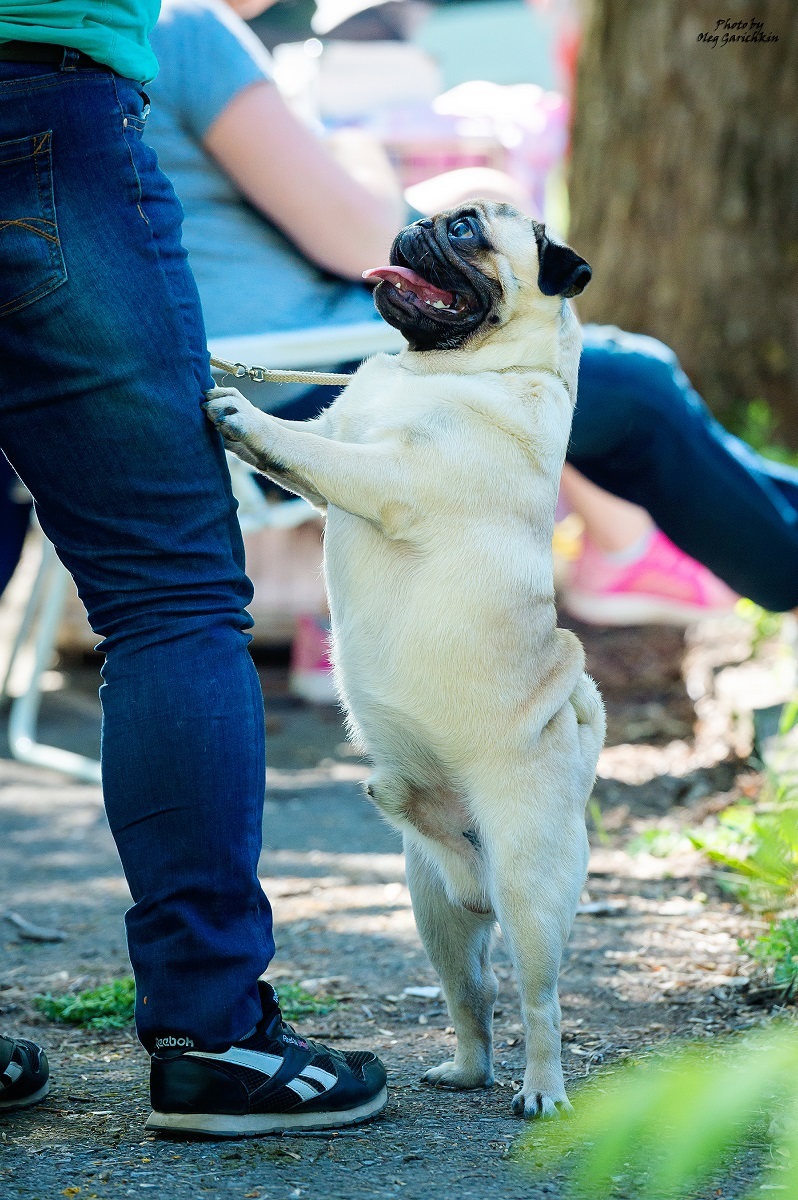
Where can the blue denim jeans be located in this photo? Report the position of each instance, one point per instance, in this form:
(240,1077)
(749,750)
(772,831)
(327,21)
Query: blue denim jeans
(103,366)
(642,432)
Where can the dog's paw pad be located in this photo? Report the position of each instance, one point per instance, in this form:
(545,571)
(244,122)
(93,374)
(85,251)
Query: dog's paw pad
(229,414)
(538,1104)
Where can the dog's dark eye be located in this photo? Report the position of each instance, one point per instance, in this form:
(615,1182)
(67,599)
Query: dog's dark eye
(461,228)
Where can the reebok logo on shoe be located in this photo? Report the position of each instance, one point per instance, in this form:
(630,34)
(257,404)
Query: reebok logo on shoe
(171,1043)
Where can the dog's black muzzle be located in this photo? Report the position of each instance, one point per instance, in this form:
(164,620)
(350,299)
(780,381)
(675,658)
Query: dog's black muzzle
(425,248)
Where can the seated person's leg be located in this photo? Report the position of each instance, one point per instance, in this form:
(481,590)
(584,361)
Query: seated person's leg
(642,432)
(628,572)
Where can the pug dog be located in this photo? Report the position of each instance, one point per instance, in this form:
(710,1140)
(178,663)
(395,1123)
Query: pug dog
(438,469)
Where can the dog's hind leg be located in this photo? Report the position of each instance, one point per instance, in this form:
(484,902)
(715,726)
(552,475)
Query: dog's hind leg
(535,843)
(458,943)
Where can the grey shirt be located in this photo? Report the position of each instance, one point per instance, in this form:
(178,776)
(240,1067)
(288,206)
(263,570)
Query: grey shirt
(251,278)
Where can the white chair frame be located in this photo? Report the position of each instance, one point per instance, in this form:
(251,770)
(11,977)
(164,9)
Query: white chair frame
(41,618)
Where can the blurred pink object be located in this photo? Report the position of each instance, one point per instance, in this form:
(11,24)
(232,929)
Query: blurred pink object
(663,586)
(311,671)
(517,128)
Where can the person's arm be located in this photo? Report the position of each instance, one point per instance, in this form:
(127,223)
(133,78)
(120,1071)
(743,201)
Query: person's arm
(285,171)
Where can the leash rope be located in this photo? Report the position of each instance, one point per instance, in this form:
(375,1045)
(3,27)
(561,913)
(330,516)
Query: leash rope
(265,375)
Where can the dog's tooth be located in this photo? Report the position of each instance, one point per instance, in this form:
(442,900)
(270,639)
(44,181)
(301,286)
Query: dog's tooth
(398,285)
(437,304)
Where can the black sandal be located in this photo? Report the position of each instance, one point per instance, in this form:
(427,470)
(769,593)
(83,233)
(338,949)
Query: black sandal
(24,1073)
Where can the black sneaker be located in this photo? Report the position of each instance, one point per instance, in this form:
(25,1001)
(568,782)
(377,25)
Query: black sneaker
(24,1073)
(272,1081)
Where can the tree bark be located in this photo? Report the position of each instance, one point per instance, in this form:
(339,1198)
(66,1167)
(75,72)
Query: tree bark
(684,191)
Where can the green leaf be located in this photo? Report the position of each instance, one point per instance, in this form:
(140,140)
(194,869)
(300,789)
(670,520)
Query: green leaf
(660,1129)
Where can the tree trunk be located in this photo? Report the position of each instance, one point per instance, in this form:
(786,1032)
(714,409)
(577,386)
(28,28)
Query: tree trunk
(684,191)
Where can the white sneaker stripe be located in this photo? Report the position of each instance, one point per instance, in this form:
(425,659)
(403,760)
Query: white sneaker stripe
(323,1077)
(304,1090)
(256,1060)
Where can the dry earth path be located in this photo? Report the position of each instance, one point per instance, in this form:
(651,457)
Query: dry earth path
(656,957)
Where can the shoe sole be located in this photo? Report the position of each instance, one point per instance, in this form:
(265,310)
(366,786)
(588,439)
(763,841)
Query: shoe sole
(635,610)
(25,1101)
(220,1125)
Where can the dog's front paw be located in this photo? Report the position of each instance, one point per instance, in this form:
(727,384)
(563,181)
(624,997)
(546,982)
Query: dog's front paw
(230,412)
(531,1105)
(450,1075)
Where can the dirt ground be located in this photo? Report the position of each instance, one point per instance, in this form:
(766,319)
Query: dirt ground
(656,957)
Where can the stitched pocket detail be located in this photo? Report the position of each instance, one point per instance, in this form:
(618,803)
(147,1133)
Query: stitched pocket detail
(136,120)
(31,260)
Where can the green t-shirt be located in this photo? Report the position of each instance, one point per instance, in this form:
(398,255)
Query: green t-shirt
(113,32)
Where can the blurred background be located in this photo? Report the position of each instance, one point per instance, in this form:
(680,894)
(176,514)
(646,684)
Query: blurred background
(671,164)
(682,181)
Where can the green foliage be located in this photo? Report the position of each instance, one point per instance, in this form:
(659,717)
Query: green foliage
(109,1006)
(758,844)
(777,951)
(597,817)
(658,842)
(663,1128)
(758,428)
(766,624)
(789,717)
(295,1002)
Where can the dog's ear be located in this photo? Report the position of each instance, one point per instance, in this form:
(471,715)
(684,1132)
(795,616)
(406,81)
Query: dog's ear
(561,272)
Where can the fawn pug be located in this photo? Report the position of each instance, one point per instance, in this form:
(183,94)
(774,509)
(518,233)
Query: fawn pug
(438,469)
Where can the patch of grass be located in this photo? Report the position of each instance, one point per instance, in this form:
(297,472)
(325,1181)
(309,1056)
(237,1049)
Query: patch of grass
(777,951)
(109,1006)
(295,1002)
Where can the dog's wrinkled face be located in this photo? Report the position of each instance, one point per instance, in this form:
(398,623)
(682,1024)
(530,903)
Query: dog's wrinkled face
(468,270)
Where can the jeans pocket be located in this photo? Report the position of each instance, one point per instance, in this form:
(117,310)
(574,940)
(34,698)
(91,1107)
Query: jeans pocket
(31,261)
(134,119)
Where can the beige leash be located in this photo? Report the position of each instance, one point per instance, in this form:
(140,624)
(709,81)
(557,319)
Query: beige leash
(265,375)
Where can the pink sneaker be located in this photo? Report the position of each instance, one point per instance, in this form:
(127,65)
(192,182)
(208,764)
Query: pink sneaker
(310,676)
(663,586)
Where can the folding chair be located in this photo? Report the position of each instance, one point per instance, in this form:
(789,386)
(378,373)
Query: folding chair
(304,348)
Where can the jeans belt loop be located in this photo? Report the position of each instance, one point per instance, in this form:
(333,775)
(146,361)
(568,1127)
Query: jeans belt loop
(70,60)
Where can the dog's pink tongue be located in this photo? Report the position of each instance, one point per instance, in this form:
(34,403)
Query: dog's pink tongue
(401,276)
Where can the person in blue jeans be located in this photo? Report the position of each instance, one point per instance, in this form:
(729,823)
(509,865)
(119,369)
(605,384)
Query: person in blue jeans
(103,368)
